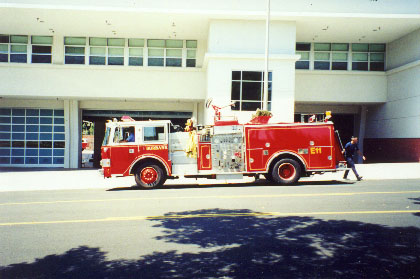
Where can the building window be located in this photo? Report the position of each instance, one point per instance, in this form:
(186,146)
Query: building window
(303,49)
(74,50)
(115,51)
(247,90)
(174,53)
(368,57)
(32,137)
(13,48)
(339,56)
(330,56)
(156,52)
(191,53)
(97,51)
(135,52)
(377,57)
(41,49)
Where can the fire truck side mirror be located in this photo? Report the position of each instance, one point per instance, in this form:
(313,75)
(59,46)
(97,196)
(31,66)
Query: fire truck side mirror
(208,102)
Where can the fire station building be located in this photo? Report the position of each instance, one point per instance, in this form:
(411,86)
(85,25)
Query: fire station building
(65,62)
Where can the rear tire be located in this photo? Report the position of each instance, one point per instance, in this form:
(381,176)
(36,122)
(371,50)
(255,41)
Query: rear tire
(286,172)
(268,177)
(149,176)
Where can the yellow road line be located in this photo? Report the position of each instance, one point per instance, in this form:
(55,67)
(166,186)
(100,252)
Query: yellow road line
(213,197)
(209,215)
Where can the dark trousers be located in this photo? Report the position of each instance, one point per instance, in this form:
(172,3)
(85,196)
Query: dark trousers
(350,163)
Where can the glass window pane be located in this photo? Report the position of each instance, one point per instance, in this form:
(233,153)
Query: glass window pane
(377,66)
(46,120)
(4,48)
(44,40)
(174,52)
(250,106)
(45,144)
(377,57)
(4,143)
(325,56)
(360,47)
(18,152)
(360,66)
(4,136)
(18,58)
(339,56)
(248,75)
(32,112)
(45,136)
(18,120)
(135,61)
(191,44)
(46,112)
(156,43)
(377,47)
(135,42)
(303,55)
(97,51)
(31,136)
(321,65)
(340,47)
(58,160)
(18,112)
(58,120)
(136,52)
(236,75)
(251,91)
(303,46)
(19,39)
(18,48)
(41,49)
(45,152)
(58,152)
(96,60)
(75,60)
(45,128)
(174,62)
(153,133)
(17,160)
(4,39)
(32,128)
(156,52)
(322,46)
(174,43)
(116,42)
(302,65)
(59,144)
(75,41)
(4,111)
(339,66)
(59,129)
(75,50)
(31,160)
(97,41)
(4,152)
(18,128)
(45,160)
(112,51)
(116,61)
(5,128)
(360,57)
(236,90)
(18,136)
(31,152)
(191,53)
(191,62)
(4,58)
(58,112)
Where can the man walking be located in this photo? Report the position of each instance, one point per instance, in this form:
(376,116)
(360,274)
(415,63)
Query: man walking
(349,151)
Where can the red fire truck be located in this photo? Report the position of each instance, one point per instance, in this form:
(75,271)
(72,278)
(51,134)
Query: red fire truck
(282,152)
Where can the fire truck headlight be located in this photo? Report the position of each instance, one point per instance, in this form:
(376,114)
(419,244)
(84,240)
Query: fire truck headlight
(105,163)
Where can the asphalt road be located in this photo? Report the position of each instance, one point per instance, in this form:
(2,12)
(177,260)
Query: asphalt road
(368,229)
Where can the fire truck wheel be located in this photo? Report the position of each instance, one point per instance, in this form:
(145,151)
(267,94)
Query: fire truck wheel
(268,177)
(149,176)
(286,171)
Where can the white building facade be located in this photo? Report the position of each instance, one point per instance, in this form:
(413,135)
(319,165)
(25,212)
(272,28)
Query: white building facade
(62,62)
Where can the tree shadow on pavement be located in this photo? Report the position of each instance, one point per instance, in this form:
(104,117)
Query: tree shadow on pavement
(247,244)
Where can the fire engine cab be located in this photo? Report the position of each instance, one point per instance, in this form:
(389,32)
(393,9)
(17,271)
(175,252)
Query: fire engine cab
(283,152)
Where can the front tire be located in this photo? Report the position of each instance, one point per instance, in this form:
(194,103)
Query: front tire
(149,176)
(286,172)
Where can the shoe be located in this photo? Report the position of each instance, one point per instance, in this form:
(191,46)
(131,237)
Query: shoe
(345,178)
(360,178)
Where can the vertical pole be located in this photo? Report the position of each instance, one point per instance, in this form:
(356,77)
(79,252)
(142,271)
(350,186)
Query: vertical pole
(267,41)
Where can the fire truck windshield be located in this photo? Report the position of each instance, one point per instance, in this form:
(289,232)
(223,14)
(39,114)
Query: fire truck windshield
(106,137)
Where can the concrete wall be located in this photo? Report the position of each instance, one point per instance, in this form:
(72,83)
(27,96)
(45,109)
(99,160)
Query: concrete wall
(340,87)
(403,51)
(240,45)
(68,81)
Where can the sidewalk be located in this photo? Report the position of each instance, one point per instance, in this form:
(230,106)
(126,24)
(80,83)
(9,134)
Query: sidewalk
(16,179)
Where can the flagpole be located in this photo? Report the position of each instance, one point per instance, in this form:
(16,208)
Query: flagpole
(267,35)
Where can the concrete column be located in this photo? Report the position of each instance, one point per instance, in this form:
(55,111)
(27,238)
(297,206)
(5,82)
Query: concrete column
(58,50)
(72,118)
(362,130)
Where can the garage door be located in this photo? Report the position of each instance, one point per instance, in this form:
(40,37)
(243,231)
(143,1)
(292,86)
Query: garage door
(32,137)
